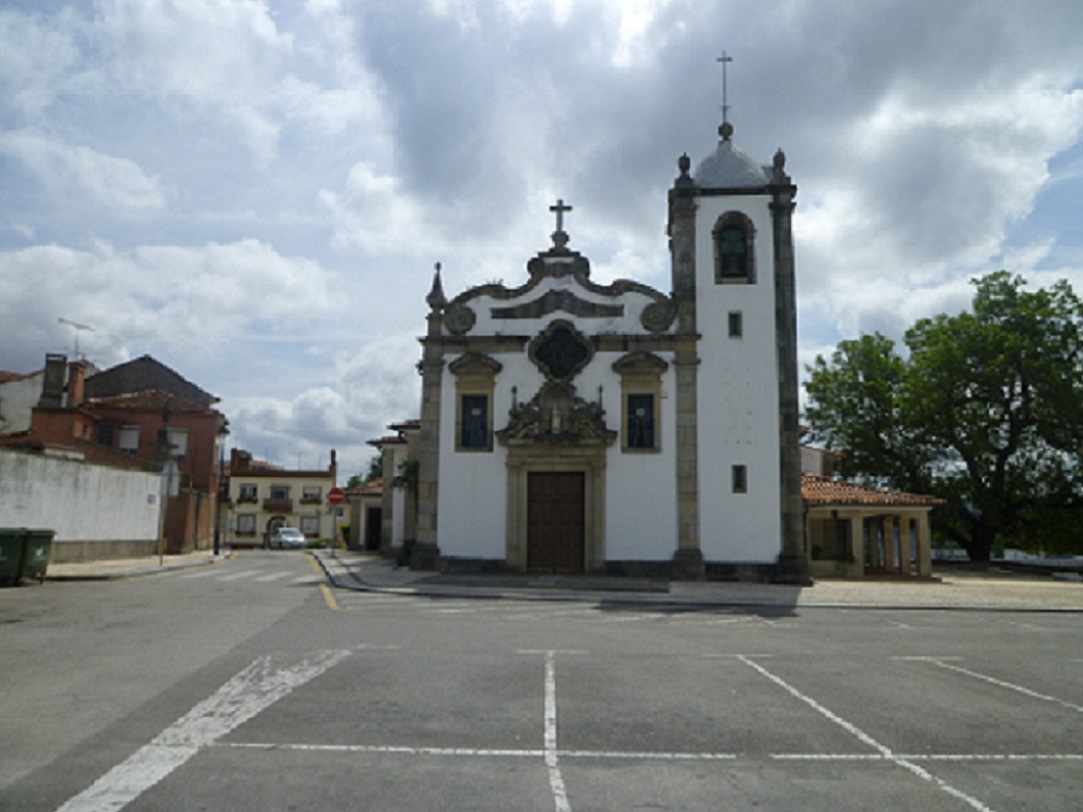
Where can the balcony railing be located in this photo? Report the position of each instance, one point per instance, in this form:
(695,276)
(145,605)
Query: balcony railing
(278,505)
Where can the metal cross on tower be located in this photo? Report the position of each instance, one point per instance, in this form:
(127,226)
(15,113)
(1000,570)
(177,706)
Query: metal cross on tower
(725,59)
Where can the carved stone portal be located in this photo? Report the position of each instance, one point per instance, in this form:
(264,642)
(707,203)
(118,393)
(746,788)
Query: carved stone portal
(557,416)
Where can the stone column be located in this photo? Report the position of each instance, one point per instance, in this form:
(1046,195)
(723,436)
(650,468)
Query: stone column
(793,565)
(425,554)
(688,557)
(925,553)
(904,545)
(875,527)
(890,548)
(857,543)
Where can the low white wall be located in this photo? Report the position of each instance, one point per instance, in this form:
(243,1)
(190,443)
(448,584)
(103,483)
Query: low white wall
(86,505)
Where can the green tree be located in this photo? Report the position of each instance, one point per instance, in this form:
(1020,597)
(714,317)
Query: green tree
(376,467)
(986,411)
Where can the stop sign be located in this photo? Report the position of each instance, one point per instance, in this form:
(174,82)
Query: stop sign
(336,496)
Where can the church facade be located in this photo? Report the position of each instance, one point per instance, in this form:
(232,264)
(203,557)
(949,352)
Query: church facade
(573,427)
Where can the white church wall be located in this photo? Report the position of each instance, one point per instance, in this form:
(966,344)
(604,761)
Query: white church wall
(738,396)
(641,507)
(472,510)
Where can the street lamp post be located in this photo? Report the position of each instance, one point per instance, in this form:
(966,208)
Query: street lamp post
(222,433)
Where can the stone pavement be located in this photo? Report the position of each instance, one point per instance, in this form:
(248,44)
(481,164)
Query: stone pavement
(988,591)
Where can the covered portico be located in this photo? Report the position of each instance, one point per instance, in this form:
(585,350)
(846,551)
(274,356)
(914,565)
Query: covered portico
(854,530)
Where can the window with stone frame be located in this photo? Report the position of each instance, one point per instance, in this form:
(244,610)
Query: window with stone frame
(641,397)
(246,524)
(475,376)
(641,421)
(474,422)
(248,493)
(734,254)
(310,526)
(311,494)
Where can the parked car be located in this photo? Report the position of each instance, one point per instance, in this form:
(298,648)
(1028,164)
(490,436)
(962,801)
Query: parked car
(287,538)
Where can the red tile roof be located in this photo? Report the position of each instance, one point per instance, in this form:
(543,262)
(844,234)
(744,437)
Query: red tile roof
(152,400)
(374,487)
(821,490)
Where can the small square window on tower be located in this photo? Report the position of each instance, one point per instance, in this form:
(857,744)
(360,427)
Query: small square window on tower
(739,477)
(736,324)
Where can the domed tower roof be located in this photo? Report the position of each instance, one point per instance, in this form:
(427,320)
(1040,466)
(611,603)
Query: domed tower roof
(729,166)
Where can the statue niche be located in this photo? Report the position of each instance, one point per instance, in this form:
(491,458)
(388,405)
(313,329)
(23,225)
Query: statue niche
(557,416)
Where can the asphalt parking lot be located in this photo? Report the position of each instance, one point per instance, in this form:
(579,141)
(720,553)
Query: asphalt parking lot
(391,701)
(496,705)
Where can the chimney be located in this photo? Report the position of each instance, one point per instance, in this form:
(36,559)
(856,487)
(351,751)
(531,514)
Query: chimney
(52,388)
(76,381)
(334,466)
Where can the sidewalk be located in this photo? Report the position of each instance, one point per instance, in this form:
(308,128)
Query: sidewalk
(994,591)
(987,591)
(130,567)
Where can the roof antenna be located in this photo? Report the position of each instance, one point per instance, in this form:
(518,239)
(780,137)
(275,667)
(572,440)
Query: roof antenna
(76,327)
(726,130)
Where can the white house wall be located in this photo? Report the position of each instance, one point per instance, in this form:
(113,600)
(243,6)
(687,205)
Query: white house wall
(81,502)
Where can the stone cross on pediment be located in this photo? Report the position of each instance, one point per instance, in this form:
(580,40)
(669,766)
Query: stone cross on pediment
(560,237)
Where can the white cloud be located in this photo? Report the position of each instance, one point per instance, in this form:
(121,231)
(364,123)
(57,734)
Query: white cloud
(198,302)
(116,183)
(41,58)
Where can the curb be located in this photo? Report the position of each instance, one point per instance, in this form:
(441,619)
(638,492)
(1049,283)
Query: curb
(337,570)
(137,573)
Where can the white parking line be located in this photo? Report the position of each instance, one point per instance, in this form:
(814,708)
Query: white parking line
(253,689)
(1010,686)
(239,575)
(556,781)
(274,576)
(205,572)
(864,737)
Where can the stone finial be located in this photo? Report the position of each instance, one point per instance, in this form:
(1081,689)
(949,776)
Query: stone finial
(684,163)
(779,161)
(436,299)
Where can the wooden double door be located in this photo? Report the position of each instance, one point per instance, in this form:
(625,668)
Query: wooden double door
(555,523)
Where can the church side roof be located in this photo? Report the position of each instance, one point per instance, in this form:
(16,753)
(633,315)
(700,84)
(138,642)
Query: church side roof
(819,490)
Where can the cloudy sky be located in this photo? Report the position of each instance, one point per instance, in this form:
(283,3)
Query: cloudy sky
(255,192)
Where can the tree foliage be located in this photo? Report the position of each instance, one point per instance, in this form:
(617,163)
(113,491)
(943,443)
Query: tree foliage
(986,410)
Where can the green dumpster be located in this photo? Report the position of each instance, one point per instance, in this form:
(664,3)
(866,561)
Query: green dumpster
(37,544)
(11,554)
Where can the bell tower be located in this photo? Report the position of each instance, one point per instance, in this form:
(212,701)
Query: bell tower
(738,459)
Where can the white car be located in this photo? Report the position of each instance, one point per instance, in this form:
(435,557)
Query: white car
(287,538)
